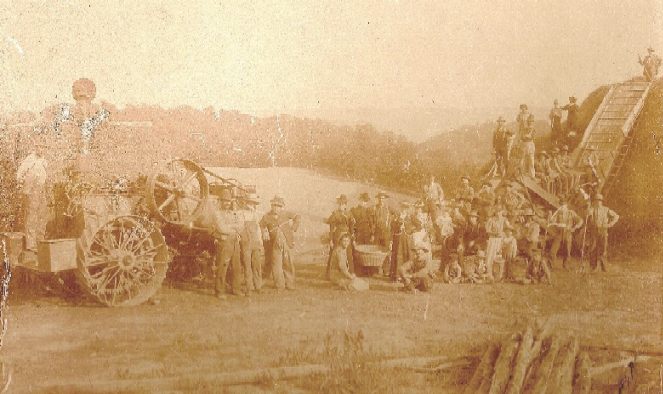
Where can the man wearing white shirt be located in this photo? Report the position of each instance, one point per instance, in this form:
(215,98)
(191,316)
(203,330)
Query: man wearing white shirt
(253,253)
(31,177)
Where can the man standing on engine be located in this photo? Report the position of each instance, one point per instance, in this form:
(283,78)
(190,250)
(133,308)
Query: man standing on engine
(31,177)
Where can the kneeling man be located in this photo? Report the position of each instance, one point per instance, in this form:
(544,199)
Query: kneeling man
(417,273)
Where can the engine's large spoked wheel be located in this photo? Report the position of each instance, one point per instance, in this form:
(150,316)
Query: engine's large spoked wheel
(177,193)
(124,262)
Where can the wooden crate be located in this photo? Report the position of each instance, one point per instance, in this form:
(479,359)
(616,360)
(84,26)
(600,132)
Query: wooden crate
(56,255)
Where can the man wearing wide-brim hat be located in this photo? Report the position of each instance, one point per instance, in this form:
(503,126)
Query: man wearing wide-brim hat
(531,235)
(400,239)
(486,198)
(521,119)
(599,219)
(433,195)
(469,237)
(362,218)
(562,224)
(555,117)
(228,224)
(381,217)
(501,146)
(417,272)
(278,228)
(466,192)
(509,252)
(650,64)
(571,119)
(253,252)
(495,226)
(528,147)
(340,221)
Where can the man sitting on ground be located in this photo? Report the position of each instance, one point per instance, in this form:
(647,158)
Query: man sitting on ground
(340,267)
(538,270)
(417,273)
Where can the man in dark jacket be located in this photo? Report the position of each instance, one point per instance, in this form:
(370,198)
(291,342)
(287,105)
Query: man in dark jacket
(650,64)
(340,221)
(599,219)
(363,225)
(279,226)
(501,139)
(571,120)
(472,236)
(381,218)
(555,117)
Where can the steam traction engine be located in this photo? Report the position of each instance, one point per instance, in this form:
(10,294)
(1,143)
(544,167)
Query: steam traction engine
(112,237)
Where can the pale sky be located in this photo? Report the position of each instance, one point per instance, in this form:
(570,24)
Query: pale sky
(314,57)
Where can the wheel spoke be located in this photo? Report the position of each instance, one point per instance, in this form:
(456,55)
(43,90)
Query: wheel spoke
(109,239)
(164,186)
(140,243)
(188,179)
(192,197)
(145,262)
(96,260)
(151,252)
(134,235)
(98,277)
(177,209)
(109,277)
(121,266)
(125,283)
(113,295)
(98,240)
(167,202)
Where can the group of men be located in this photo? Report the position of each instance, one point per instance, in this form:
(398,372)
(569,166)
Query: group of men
(252,246)
(515,152)
(404,234)
(477,235)
(503,223)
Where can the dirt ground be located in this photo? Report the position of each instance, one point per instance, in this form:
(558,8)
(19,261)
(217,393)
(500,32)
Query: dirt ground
(51,341)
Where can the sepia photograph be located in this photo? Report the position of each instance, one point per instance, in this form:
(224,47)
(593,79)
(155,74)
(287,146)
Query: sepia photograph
(379,196)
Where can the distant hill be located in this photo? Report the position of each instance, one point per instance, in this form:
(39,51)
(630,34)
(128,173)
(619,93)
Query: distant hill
(359,152)
(468,149)
(418,123)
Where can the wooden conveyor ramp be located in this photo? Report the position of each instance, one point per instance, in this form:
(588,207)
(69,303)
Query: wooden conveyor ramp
(608,136)
(606,140)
